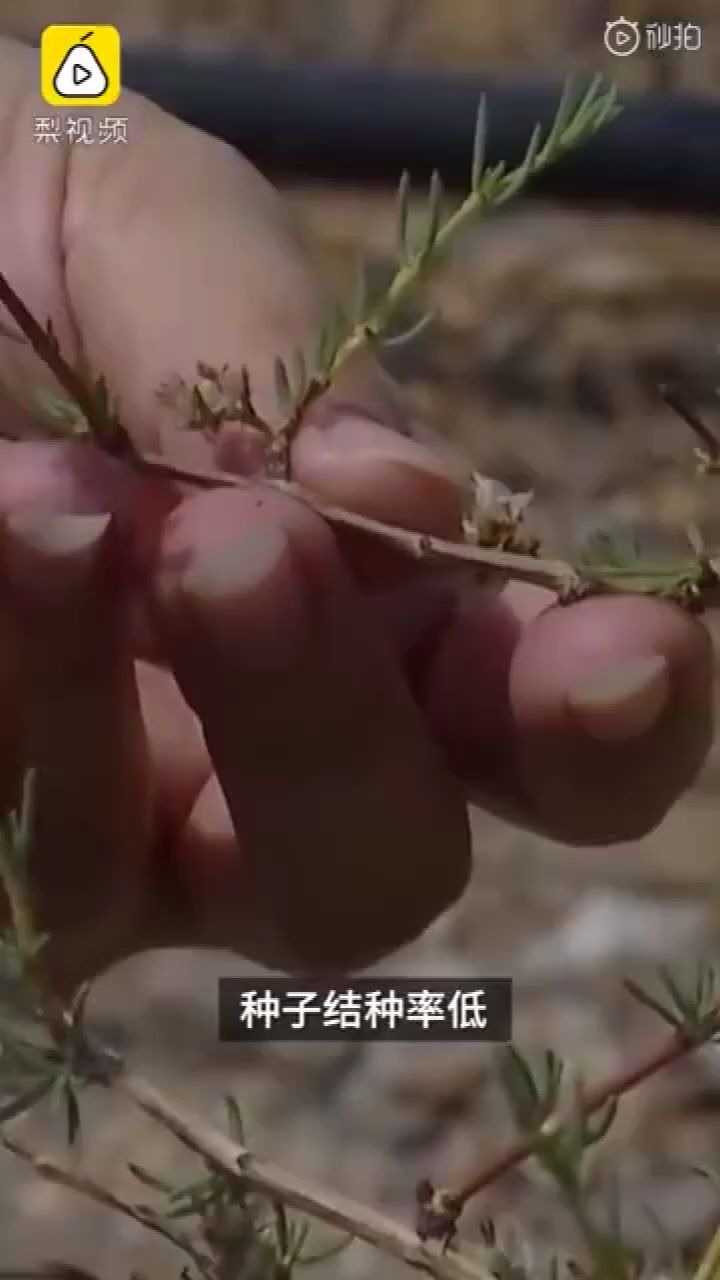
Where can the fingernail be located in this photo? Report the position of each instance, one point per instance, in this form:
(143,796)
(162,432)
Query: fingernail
(214,574)
(623,701)
(39,543)
(249,595)
(369,441)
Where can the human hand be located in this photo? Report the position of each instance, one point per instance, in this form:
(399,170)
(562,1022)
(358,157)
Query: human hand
(277,755)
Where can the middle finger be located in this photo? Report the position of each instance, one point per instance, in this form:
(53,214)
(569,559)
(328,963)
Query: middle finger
(350,834)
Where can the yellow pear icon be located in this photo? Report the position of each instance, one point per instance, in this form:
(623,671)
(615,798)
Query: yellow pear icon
(80,73)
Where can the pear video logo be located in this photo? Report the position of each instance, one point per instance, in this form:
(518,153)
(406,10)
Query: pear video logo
(80,72)
(80,67)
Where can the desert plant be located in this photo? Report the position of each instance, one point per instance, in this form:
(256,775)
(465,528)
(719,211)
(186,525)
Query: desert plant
(244,1216)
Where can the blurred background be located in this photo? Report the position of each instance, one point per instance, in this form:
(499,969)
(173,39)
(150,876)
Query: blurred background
(557,323)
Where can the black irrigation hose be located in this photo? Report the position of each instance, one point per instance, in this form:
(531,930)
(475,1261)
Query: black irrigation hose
(365,125)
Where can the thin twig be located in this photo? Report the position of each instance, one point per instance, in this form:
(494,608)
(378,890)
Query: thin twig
(232,1159)
(238,1163)
(45,346)
(16,888)
(489,561)
(52,1171)
(235,1161)
(488,190)
(675,1047)
(558,575)
(555,574)
(710,443)
(574,123)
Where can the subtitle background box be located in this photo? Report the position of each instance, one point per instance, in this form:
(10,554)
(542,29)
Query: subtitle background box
(101,41)
(256,1010)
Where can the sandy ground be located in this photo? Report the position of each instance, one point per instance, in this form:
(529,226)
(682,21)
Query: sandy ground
(555,325)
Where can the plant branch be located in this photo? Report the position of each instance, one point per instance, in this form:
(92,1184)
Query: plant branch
(45,346)
(230,1158)
(225,1156)
(695,583)
(709,453)
(236,1162)
(422,547)
(559,575)
(81,1183)
(574,123)
(672,1050)
(14,845)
